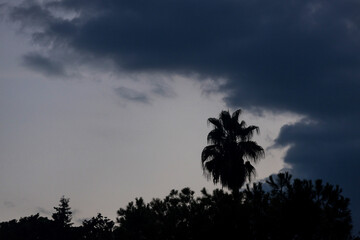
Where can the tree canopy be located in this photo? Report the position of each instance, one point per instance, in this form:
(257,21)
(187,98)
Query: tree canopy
(278,209)
(230,153)
(63,214)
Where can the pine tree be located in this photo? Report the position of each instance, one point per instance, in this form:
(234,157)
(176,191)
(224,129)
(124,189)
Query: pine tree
(63,215)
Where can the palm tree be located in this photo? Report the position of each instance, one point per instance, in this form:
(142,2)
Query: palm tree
(230,152)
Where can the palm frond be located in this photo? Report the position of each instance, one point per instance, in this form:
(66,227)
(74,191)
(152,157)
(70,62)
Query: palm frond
(242,124)
(249,170)
(226,120)
(236,114)
(224,115)
(251,150)
(211,170)
(210,151)
(247,133)
(215,136)
(216,122)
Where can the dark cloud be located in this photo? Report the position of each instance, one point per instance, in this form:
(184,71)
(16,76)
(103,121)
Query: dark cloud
(44,65)
(131,94)
(301,56)
(328,149)
(268,51)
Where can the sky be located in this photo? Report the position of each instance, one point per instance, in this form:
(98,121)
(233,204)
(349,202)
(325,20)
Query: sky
(105,101)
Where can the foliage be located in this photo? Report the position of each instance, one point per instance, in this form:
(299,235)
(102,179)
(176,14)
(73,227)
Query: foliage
(296,209)
(98,228)
(63,214)
(229,156)
(279,209)
(33,227)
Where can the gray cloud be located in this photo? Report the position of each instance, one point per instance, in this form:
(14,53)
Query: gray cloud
(9,204)
(299,56)
(44,211)
(79,221)
(131,94)
(32,15)
(163,90)
(44,65)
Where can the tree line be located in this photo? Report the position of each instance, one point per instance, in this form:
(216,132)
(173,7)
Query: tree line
(278,208)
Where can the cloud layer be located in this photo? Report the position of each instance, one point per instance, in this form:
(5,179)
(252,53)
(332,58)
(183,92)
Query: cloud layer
(278,55)
(297,56)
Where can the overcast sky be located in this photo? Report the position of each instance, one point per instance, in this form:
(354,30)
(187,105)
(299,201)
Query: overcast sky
(105,101)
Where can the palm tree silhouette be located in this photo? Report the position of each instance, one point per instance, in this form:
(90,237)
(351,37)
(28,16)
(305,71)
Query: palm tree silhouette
(227,158)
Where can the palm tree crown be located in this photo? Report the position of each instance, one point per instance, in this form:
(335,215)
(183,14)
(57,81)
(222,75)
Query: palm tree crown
(227,158)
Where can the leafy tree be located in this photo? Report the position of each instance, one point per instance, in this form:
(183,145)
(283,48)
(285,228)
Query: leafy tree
(280,209)
(33,227)
(98,228)
(63,215)
(298,209)
(304,210)
(229,156)
(170,218)
(137,221)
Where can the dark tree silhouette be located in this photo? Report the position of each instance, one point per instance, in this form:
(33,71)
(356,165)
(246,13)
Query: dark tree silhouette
(32,227)
(63,214)
(289,209)
(229,156)
(280,209)
(98,228)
